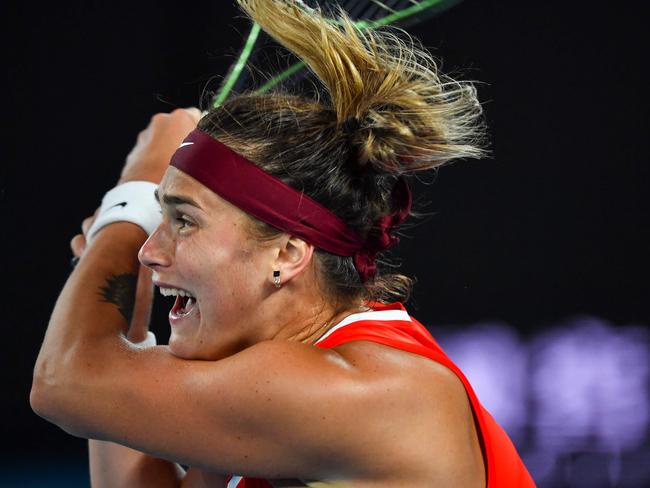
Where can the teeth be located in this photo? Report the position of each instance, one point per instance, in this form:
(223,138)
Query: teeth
(172,292)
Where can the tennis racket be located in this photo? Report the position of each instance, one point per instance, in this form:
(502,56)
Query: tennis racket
(366,14)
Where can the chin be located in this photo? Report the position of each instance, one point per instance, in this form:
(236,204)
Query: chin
(185,349)
(180,348)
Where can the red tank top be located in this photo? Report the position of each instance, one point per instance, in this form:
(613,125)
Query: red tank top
(391,325)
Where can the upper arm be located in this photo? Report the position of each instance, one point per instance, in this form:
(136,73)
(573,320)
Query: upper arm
(280,409)
(273,410)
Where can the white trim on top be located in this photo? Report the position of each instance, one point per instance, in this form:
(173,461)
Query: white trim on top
(400,315)
(234,481)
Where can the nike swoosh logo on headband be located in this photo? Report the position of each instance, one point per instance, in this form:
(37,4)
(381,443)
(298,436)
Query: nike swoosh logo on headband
(185,144)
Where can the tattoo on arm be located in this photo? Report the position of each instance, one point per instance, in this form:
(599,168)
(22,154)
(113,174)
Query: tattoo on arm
(120,290)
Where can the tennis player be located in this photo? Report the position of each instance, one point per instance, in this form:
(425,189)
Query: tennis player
(292,361)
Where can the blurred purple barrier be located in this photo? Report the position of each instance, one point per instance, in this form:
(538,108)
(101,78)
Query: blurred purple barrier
(495,361)
(590,385)
(574,398)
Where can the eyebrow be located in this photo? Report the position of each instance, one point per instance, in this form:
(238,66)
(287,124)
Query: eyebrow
(175,199)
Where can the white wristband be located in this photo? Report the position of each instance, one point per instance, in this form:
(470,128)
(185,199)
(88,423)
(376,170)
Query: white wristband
(150,340)
(134,202)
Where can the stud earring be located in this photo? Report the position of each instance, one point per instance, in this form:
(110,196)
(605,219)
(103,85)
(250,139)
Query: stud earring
(276,278)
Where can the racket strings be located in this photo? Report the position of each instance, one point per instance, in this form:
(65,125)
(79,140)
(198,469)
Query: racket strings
(373,9)
(366,13)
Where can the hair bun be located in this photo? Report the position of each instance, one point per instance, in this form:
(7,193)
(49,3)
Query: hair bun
(350,125)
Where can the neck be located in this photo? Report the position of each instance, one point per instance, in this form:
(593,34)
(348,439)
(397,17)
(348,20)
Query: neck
(307,312)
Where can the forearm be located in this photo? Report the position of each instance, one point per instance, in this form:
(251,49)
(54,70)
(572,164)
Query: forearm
(87,329)
(99,296)
(116,466)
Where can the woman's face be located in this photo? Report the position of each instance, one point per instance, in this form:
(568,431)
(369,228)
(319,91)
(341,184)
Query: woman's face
(202,249)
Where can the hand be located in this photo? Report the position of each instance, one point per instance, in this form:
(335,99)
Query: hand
(149,158)
(144,289)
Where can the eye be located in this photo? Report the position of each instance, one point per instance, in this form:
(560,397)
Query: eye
(184,222)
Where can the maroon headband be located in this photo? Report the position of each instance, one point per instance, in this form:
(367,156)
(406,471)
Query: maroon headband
(269,199)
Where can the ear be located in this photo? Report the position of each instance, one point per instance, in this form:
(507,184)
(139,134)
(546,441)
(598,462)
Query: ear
(293,256)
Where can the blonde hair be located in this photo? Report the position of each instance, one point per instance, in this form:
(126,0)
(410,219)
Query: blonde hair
(385,112)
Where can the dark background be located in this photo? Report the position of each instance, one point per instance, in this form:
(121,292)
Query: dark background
(553,225)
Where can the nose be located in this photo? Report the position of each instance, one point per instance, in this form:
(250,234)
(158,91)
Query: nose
(156,253)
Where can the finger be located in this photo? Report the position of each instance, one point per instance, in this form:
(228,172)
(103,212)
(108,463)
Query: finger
(85,225)
(158,117)
(194,113)
(143,135)
(143,305)
(78,245)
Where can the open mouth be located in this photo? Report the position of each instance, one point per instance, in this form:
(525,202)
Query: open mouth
(184,304)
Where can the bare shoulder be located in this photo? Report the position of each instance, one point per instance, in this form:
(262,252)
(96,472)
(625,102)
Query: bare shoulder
(423,379)
(428,407)
(405,387)
(385,373)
